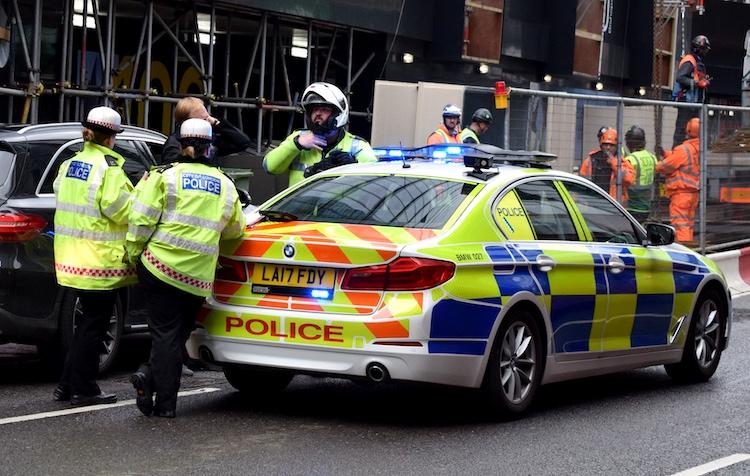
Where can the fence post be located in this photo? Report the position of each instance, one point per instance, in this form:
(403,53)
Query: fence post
(507,125)
(620,158)
(703,162)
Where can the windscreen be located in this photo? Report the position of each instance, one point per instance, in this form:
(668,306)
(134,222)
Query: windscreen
(6,165)
(400,201)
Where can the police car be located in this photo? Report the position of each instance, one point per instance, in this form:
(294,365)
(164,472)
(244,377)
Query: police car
(469,266)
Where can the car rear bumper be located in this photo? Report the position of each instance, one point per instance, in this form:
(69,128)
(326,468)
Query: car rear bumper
(402,363)
(24,330)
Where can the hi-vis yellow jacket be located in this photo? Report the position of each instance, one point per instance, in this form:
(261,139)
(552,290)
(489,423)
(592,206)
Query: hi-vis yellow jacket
(93,199)
(180,212)
(287,157)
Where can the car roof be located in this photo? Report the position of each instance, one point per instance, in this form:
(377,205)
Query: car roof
(450,169)
(65,131)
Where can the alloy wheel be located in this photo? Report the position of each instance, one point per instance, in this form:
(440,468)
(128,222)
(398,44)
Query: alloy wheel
(517,362)
(707,334)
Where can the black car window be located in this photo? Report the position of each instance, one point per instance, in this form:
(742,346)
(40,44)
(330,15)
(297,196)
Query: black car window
(38,155)
(64,155)
(605,221)
(546,211)
(156,150)
(6,165)
(389,200)
(135,164)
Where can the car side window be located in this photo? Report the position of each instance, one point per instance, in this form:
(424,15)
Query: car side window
(64,155)
(135,164)
(39,155)
(606,222)
(155,149)
(546,211)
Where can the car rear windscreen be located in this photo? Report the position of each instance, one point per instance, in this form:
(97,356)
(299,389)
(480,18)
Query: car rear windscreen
(6,165)
(400,201)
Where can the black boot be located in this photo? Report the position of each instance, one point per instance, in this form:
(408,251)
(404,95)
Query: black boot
(141,381)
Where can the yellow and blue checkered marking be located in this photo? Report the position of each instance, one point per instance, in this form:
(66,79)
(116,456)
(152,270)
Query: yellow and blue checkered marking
(590,307)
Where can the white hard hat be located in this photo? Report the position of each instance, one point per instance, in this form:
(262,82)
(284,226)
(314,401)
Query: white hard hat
(326,94)
(196,129)
(104,119)
(451,110)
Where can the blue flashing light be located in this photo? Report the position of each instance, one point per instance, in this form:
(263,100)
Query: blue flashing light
(453,150)
(379,152)
(439,154)
(320,294)
(395,153)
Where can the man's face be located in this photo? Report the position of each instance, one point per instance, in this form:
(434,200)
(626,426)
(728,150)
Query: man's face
(609,148)
(320,114)
(483,127)
(450,122)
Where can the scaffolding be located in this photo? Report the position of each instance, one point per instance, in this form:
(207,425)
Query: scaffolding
(71,87)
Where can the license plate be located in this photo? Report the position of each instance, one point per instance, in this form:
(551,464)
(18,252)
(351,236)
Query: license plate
(293,280)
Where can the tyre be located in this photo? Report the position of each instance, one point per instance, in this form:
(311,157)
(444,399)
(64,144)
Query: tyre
(514,369)
(704,343)
(252,380)
(54,353)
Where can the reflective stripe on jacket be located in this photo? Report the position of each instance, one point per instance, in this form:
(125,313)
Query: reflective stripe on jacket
(288,158)
(468,133)
(681,167)
(441,135)
(641,191)
(93,197)
(178,217)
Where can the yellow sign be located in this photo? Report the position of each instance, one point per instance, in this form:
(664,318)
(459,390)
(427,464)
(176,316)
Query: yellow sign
(293,276)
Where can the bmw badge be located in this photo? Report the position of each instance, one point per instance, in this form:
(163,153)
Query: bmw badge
(289,251)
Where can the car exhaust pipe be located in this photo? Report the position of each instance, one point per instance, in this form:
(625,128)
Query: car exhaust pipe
(377,372)
(205,354)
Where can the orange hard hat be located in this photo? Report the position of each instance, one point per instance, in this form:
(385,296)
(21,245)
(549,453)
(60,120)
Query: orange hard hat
(693,128)
(609,137)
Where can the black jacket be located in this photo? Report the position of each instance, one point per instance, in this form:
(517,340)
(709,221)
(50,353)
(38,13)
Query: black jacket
(227,140)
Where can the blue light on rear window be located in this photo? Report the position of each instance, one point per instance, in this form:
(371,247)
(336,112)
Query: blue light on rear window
(439,154)
(380,152)
(320,294)
(453,150)
(395,153)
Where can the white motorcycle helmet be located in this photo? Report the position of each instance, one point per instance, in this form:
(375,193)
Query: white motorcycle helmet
(326,94)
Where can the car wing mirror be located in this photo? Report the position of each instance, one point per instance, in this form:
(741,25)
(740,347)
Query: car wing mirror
(659,234)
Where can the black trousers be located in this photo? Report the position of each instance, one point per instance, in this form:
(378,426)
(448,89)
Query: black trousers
(171,319)
(82,362)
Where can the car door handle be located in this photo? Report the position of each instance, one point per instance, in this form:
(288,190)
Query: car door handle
(544,263)
(616,265)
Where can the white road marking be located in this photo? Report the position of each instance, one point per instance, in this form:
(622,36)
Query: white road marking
(714,465)
(93,408)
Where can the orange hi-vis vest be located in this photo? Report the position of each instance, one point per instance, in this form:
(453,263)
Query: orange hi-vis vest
(681,167)
(441,135)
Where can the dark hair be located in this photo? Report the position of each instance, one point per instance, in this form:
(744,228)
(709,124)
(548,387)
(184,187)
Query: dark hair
(97,136)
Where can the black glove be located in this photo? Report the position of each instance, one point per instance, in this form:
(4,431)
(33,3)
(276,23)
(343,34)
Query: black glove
(333,159)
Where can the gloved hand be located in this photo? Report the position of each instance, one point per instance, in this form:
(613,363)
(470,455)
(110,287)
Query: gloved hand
(308,140)
(340,157)
(659,150)
(703,83)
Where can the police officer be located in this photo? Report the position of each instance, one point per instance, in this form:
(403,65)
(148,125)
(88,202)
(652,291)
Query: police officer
(640,192)
(180,213)
(449,130)
(481,121)
(227,139)
(690,84)
(93,197)
(325,143)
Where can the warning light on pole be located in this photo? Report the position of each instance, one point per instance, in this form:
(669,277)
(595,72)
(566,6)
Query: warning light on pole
(501,95)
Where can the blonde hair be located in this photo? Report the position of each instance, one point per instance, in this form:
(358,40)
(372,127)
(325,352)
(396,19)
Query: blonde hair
(194,151)
(185,108)
(96,136)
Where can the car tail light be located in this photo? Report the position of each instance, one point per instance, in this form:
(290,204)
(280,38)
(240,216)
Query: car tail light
(404,274)
(15,227)
(231,270)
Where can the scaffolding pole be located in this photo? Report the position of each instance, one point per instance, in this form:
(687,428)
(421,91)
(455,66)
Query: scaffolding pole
(211,41)
(150,21)
(37,60)
(64,59)
(262,82)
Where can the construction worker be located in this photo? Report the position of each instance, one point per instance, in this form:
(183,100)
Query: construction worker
(480,123)
(93,197)
(448,132)
(640,192)
(180,212)
(600,167)
(681,168)
(227,138)
(691,82)
(325,143)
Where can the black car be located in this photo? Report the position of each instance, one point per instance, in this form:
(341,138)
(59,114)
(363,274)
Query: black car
(33,308)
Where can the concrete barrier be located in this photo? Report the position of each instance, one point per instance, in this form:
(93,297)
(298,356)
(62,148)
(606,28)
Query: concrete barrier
(736,267)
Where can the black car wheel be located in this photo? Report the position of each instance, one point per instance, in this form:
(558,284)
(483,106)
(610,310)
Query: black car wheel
(257,381)
(55,353)
(704,343)
(514,369)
